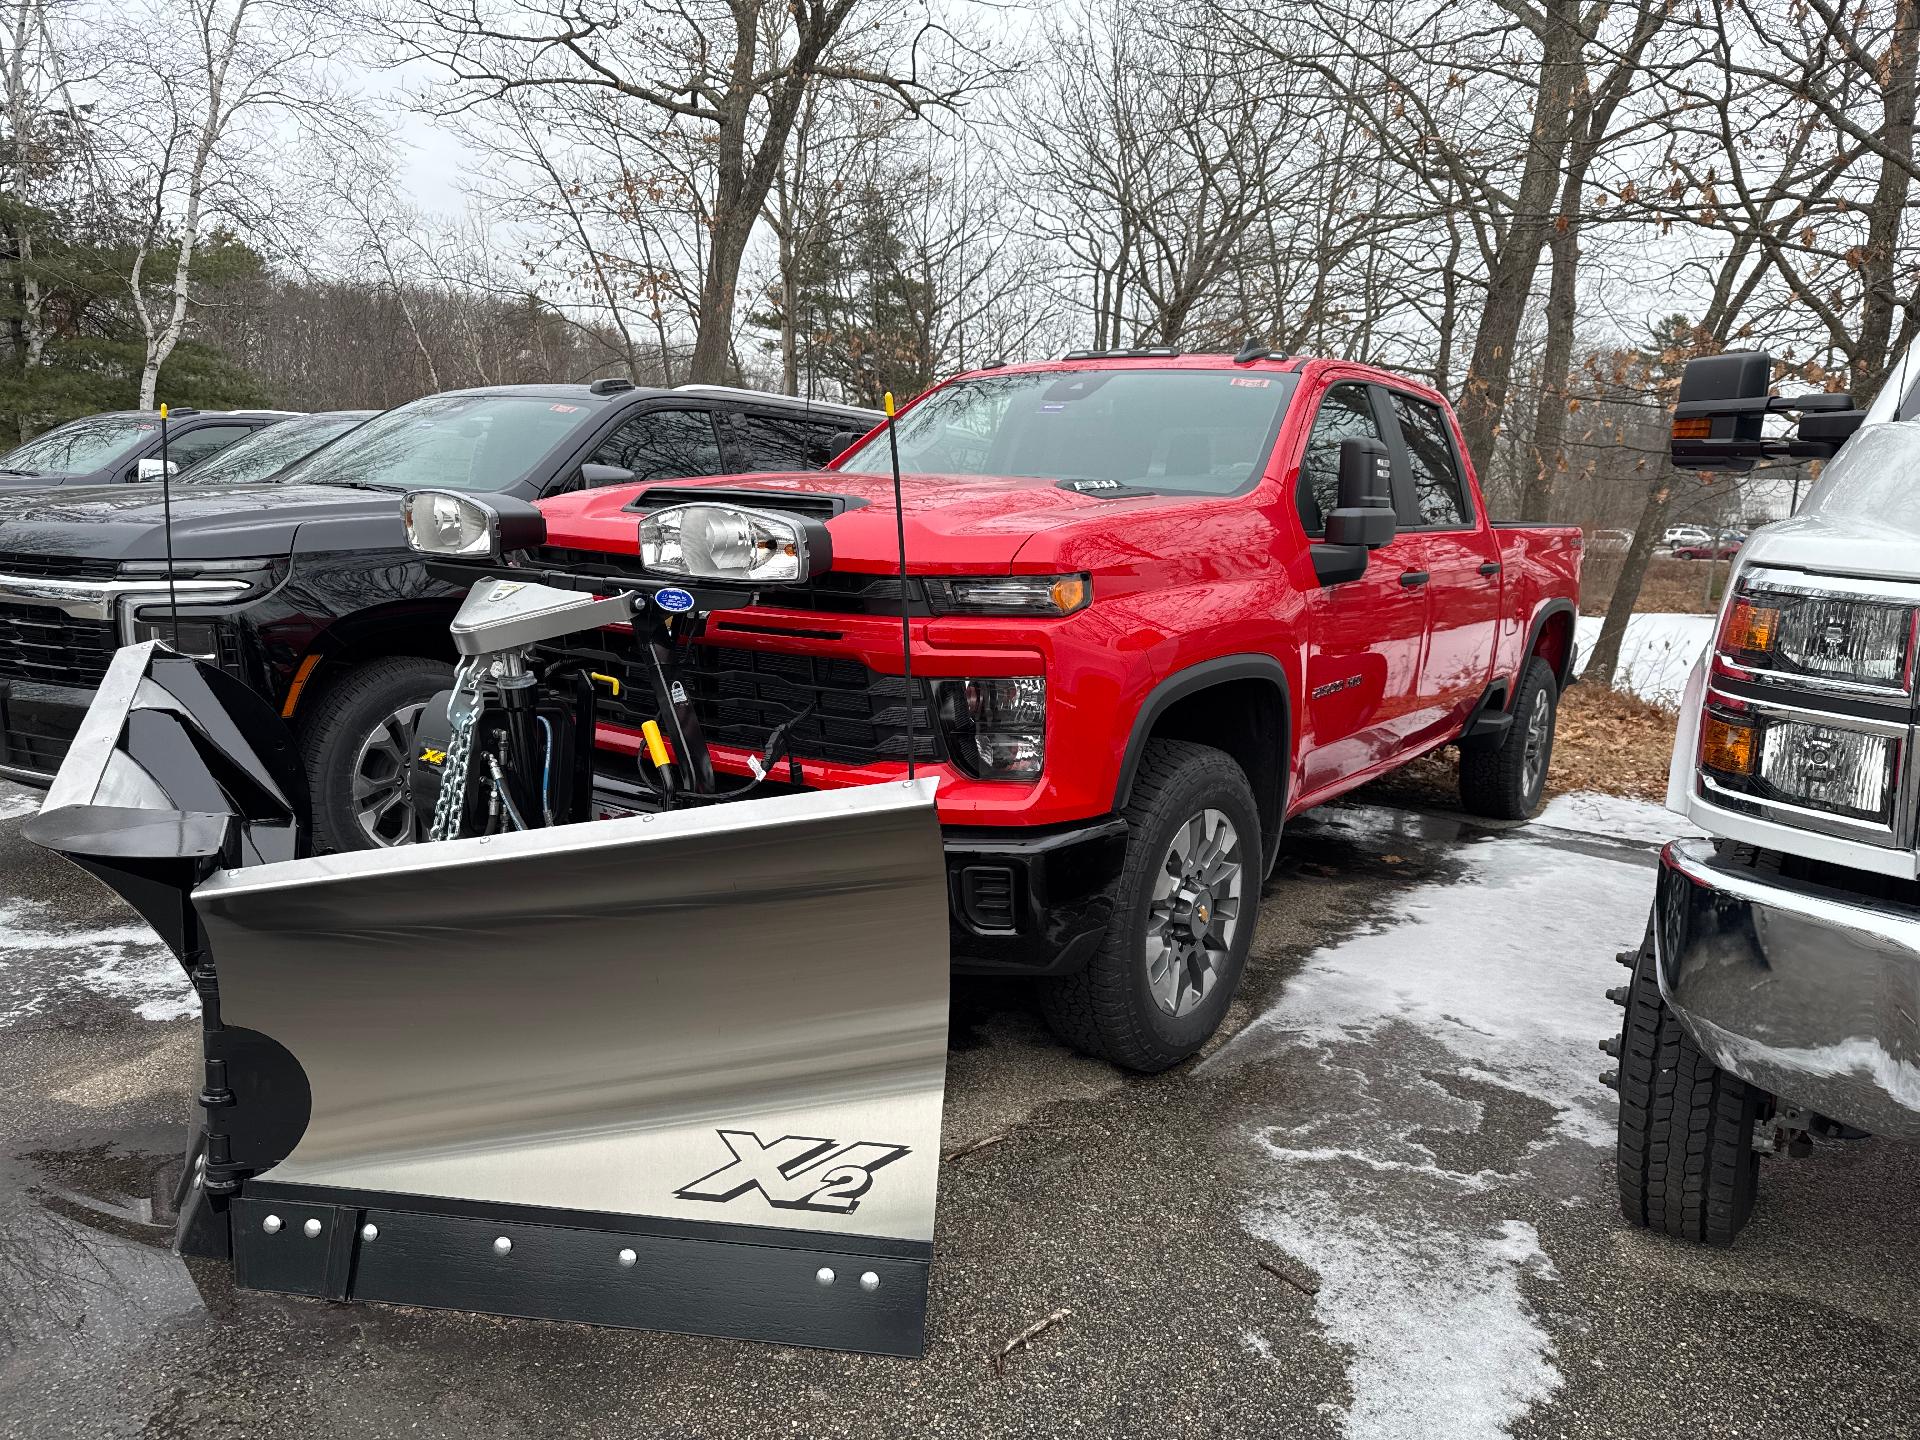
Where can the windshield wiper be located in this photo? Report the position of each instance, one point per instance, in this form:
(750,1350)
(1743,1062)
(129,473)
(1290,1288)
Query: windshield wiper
(30,474)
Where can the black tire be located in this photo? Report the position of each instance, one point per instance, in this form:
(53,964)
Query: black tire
(1499,781)
(1685,1155)
(1109,1009)
(342,722)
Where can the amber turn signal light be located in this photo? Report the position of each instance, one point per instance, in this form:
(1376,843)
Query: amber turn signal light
(1750,628)
(1070,592)
(1726,745)
(1694,427)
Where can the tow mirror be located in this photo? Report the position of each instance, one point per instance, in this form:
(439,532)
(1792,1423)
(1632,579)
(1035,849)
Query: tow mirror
(1363,517)
(153,468)
(1719,419)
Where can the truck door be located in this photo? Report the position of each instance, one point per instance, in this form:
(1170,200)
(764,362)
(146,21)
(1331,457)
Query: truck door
(1364,636)
(1461,557)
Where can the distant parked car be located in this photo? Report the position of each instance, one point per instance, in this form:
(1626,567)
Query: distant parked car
(1686,535)
(265,453)
(122,446)
(1712,547)
(1609,542)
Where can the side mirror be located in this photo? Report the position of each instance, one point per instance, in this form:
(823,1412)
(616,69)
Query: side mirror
(1363,518)
(837,443)
(593,476)
(1364,515)
(153,468)
(1719,418)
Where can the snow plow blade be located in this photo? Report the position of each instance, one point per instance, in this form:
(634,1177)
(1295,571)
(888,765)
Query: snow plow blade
(679,1071)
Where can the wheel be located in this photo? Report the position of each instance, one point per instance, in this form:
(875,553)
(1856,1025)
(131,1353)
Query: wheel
(1503,781)
(1184,910)
(357,743)
(1685,1155)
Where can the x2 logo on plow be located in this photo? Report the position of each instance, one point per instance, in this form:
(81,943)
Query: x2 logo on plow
(795,1172)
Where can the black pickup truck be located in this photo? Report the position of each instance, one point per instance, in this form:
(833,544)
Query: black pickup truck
(303,586)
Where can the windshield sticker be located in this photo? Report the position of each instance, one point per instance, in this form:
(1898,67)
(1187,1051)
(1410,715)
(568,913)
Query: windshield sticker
(1051,406)
(563,409)
(1250,382)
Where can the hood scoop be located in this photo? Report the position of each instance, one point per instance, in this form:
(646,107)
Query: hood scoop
(811,504)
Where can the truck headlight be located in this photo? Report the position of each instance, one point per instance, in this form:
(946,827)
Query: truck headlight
(452,526)
(1794,627)
(1009,594)
(731,542)
(996,728)
(1817,765)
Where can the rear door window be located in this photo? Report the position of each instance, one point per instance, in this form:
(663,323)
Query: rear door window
(664,445)
(197,445)
(771,442)
(1439,489)
(1346,411)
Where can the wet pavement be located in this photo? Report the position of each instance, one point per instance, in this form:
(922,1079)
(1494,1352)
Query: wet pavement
(1380,1206)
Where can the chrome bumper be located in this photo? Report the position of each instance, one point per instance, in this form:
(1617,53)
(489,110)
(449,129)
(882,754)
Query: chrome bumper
(1804,993)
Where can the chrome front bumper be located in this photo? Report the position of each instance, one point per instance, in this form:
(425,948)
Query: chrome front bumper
(1808,994)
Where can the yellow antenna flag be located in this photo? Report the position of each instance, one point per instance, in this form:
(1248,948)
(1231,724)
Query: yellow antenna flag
(889,402)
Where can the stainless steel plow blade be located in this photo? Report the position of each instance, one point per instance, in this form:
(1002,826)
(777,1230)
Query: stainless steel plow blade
(679,1072)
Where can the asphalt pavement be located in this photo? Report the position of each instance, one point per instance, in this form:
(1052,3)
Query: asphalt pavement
(1381,1205)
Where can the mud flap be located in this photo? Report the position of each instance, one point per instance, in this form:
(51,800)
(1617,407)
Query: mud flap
(678,1072)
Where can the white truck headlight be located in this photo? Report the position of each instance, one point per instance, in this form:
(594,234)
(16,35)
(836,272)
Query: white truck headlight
(1831,767)
(1798,628)
(453,526)
(702,541)
(996,727)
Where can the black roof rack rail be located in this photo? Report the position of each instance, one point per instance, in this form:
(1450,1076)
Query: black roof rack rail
(1138,352)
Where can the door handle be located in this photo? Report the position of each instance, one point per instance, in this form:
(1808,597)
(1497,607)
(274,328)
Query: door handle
(1411,578)
(1492,567)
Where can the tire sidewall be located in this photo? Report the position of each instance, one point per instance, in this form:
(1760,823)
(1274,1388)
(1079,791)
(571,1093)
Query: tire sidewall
(358,701)
(1539,682)
(1205,786)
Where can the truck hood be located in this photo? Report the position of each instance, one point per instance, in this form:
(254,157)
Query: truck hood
(962,523)
(214,522)
(1878,546)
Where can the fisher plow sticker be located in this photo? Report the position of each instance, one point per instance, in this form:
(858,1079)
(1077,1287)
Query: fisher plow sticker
(795,1172)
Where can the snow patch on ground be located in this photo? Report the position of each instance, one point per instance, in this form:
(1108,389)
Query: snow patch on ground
(16,800)
(1588,813)
(1434,1058)
(42,962)
(1506,968)
(1443,1344)
(1656,653)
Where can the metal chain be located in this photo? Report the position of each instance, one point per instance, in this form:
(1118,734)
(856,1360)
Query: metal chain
(463,710)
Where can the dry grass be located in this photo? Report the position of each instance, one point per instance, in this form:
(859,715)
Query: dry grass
(1674,586)
(1606,740)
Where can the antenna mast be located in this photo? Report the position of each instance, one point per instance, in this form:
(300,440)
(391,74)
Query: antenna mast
(166,525)
(900,534)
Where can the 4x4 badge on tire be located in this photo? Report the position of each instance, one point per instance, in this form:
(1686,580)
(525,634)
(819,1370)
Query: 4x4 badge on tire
(795,1172)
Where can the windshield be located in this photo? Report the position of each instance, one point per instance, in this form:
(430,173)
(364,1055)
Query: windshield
(1194,432)
(261,455)
(446,442)
(80,446)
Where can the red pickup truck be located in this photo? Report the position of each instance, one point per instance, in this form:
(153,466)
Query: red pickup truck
(1159,603)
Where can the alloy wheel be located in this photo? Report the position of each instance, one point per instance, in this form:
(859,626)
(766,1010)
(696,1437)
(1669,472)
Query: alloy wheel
(1533,759)
(1194,915)
(382,798)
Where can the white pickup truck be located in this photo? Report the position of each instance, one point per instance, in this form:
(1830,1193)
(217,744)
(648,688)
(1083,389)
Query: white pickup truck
(1776,998)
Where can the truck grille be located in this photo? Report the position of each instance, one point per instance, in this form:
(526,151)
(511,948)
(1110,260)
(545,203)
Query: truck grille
(859,715)
(33,565)
(44,645)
